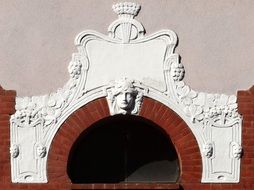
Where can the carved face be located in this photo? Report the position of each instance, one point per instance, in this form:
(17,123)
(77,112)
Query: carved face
(237,151)
(41,151)
(125,94)
(208,150)
(125,100)
(14,151)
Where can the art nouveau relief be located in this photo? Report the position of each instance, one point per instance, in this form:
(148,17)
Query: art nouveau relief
(124,98)
(124,67)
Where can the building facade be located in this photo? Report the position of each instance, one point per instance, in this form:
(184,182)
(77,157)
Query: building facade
(126,119)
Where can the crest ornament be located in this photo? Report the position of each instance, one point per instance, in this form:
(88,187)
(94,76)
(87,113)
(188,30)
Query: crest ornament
(126,28)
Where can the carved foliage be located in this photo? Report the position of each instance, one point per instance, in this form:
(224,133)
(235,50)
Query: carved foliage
(177,71)
(48,108)
(40,113)
(220,110)
(124,96)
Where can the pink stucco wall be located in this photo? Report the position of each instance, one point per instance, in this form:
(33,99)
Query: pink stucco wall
(215,40)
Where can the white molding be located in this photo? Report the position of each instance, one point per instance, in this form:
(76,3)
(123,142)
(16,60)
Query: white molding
(157,73)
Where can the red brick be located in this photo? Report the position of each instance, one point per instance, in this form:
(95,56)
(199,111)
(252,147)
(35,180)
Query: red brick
(146,107)
(242,93)
(104,107)
(87,112)
(184,141)
(84,117)
(96,110)
(251,90)
(168,117)
(10,93)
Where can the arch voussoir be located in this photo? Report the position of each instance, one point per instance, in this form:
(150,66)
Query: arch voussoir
(180,134)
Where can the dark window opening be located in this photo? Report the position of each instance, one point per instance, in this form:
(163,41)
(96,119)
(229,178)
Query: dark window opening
(123,148)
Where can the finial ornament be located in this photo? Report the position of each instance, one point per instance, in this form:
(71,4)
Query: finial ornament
(126,28)
(126,9)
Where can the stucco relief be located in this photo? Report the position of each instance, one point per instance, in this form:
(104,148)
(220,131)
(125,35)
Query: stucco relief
(124,67)
(41,151)
(208,149)
(14,151)
(124,98)
(236,150)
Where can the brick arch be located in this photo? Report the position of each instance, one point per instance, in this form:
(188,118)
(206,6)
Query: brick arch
(178,131)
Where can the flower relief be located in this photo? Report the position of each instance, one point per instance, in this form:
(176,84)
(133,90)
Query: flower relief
(208,149)
(221,110)
(27,112)
(14,151)
(124,97)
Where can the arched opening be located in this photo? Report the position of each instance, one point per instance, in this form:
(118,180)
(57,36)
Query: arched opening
(123,148)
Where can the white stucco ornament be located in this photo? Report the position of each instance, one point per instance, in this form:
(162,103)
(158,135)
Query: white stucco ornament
(124,97)
(125,66)
(236,150)
(208,150)
(41,151)
(14,151)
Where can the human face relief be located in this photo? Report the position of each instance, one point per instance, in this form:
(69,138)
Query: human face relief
(125,99)
(14,151)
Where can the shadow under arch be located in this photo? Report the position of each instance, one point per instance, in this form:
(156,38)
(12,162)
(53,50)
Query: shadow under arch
(123,148)
(180,134)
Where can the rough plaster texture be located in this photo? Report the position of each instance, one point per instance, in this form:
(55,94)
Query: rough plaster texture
(215,40)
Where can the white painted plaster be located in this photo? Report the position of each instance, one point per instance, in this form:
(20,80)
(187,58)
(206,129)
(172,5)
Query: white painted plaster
(37,40)
(213,118)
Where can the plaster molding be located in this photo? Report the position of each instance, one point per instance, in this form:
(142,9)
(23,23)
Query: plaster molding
(146,66)
(126,28)
(208,149)
(41,151)
(124,97)
(236,150)
(14,151)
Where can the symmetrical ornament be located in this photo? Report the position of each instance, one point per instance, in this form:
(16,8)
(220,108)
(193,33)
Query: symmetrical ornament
(126,28)
(124,98)
(124,67)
